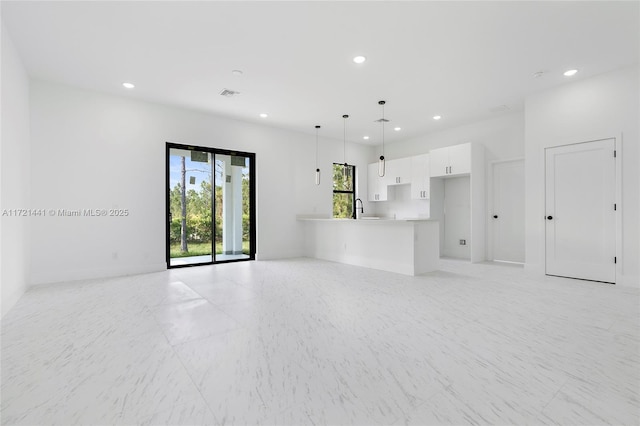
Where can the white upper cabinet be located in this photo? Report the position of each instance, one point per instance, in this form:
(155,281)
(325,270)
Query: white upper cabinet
(439,161)
(451,161)
(460,159)
(420,177)
(398,171)
(377,186)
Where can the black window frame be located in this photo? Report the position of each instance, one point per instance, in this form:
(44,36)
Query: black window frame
(352,191)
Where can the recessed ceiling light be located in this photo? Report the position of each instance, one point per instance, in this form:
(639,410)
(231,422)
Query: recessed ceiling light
(436,117)
(570,73)
(236,72)
(359,59)
(263,115)
(366,138)
(397,129)
(128,85)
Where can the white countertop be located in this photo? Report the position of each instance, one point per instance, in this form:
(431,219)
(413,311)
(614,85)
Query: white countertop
(381,220)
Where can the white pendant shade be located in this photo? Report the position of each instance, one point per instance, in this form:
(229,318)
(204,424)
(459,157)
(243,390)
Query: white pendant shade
(381,166)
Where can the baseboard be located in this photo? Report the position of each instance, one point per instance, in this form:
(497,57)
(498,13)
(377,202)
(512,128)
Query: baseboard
(9,300)
(88,274)
(629,281)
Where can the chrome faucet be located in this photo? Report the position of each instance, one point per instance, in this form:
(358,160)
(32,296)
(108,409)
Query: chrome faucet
(356,209)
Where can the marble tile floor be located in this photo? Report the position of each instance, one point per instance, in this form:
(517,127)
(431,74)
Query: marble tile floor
(308,342)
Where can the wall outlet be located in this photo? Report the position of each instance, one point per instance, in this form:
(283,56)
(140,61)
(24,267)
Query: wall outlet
(463,242)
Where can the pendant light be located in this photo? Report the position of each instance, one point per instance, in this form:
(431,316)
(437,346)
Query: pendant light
(344,147)
(381,161)
(317,168)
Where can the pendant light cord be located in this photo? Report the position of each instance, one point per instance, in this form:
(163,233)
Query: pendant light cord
(344,143)
(317,127)
(383,121)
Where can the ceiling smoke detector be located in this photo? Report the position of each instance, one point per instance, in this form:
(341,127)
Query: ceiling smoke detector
(229,93)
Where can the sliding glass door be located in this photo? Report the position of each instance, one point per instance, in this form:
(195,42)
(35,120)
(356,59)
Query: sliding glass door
(210,205)
(233,206)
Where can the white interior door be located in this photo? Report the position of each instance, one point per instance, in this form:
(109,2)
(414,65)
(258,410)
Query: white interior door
(580,217)
(507,217)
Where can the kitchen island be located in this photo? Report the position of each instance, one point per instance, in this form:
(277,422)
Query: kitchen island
(405,246)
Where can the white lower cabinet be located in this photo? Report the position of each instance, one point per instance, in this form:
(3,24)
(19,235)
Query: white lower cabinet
(420,177)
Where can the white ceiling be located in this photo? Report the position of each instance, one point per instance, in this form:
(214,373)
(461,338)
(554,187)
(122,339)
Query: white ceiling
(455,59)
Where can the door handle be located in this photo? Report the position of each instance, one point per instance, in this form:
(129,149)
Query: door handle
(549,217)
(495,216)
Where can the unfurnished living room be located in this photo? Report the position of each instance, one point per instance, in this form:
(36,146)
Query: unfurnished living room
(320,213)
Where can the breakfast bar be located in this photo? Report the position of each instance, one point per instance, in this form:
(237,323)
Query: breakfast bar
(405,246)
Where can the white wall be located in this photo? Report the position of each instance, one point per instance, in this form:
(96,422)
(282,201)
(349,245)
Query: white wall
(312,200)
(604,106)
(91,150)
(400,205)
(14,180)
(502,138)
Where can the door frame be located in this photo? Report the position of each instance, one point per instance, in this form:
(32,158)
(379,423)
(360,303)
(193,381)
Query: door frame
(490,206)
(618,147)
(252,203)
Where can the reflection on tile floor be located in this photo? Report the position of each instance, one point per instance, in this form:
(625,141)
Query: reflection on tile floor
(302,341)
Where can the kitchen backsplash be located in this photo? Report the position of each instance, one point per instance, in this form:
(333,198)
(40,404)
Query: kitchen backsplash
(401,205)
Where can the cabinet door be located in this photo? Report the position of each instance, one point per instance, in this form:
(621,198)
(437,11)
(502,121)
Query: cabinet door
(401,171)
(391,171)
(460,159)
(376,185)
(398,171)
(439,162)
(383,190)
(372,182)
(420,177)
